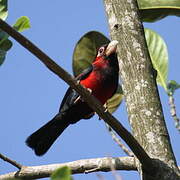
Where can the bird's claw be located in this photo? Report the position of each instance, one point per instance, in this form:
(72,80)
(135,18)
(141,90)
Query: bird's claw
(106,107)
(79,97)
(90,90)
(106,110)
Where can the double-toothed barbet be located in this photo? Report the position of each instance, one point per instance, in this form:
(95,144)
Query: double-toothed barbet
(102,80)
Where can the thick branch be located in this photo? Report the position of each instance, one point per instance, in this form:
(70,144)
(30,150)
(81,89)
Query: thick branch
(77,167)
(139,83)
(92,101)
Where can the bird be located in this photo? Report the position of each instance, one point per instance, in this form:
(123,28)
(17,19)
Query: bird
(100,78)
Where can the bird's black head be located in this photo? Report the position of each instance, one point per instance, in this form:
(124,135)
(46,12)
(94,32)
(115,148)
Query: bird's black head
(108,50)
(108,53)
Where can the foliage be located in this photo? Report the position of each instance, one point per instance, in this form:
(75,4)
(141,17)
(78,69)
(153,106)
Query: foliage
(3,9)
(172,86)
(63,173)
(85,50)
(21,24)
(153,10)
(159,56)
(5,45)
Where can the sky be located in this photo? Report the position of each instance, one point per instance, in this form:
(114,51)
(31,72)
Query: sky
(30,94)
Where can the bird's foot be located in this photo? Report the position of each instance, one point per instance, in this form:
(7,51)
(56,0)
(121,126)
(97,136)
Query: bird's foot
(106,110)
(106,107)
(79,97)
(90,90)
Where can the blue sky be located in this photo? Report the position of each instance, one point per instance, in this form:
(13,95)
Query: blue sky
(31,94)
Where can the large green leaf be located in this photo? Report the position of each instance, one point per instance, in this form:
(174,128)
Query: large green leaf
(86,49)
(3,9)
(84,53)
(114,102)
(153,10)
(22,24)
(63,173)
(159,56)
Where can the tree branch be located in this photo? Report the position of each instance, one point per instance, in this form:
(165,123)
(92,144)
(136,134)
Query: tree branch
(77,167)
(118,141)
(91,100)
(140,89)
(14,163)
(173,112)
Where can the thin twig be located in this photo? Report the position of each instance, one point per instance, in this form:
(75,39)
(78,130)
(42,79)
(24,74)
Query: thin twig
(118,141)
(173,112)
(137,149)
(14,163)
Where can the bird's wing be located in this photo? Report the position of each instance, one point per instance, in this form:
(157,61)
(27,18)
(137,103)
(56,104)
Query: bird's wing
(85,73)
(71,95)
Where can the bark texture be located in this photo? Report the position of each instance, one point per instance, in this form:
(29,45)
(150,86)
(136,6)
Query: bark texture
(80,166)
(138,82)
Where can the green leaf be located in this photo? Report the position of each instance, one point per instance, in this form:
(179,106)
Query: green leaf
(3,36)
(3,9)
(5,45)
(159,56)
(86,49)
(172,86)
(22,24)
(63,173)
(2,56)
(84,53)
(153,10)
(114,102)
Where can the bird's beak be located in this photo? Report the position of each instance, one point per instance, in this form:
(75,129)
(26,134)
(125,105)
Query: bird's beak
(111,48)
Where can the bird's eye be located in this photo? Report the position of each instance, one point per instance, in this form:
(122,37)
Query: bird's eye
(101,51)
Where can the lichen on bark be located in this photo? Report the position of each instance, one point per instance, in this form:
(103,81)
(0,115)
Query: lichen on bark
(138,80)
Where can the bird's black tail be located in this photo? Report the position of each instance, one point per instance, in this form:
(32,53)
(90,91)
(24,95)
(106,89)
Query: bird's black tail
(42,139)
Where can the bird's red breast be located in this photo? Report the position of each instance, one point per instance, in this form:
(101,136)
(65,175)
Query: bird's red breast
(99,80)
